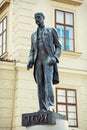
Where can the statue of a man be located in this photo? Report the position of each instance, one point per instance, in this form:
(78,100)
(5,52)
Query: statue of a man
(44,53)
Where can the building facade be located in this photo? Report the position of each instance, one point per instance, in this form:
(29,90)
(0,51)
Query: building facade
(18,90)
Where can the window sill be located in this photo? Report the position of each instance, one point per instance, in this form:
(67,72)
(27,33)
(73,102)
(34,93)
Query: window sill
(4,55)
(71,54)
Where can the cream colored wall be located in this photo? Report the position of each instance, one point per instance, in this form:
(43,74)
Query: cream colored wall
(18,94)
(25,95)
(22,29)
(7,88)
(81,29)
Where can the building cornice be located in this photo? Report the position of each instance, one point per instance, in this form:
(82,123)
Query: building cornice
(4,4)
(71,2)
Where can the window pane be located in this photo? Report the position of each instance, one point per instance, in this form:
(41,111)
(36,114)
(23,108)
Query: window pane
(71,100)
(69,45)
(69,38)
(4,24)
(61,92)
(69,32)
(61,99)
(72,122)
(4,48)
(0,28)
(4,37)
(71,93)
(69,18)
(60,31)
(62,43)
(61,40)
(0,50)
(61,108)
(0,40)
(72,115)
(71,108)
(59,17)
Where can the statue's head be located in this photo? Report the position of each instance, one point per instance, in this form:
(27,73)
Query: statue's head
(39,18)
(39,14)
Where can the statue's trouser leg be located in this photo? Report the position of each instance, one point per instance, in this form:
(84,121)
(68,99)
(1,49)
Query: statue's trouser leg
(40,84)
(44,82)
(48,77)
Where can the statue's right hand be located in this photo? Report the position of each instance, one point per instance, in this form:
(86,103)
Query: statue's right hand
(29,65)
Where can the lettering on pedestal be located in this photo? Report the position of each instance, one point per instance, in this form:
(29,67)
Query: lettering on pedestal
(38,118)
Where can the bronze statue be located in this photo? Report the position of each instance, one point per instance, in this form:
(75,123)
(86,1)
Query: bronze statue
(44,53)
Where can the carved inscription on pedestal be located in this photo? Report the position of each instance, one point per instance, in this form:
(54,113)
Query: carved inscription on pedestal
(38,118)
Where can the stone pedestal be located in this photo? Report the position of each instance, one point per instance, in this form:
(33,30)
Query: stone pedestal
(44,121)
(60,125)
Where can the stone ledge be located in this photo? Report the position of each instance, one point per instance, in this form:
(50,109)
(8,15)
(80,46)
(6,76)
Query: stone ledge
(4,4)
(7,60)
(71,2)
(71,54)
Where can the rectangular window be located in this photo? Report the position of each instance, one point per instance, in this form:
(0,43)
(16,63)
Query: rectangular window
(3,35)
(66,104)
(64,23)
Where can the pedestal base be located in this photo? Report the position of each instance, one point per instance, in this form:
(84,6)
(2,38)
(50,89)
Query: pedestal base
(44,121)
(38,118)
(60,125)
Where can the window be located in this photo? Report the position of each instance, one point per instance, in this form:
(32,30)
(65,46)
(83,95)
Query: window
(66,104)
(64,23)
(3,35)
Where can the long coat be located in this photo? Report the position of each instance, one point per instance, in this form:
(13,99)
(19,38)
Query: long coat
(52,47)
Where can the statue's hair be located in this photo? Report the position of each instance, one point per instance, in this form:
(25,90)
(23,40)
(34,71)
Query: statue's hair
(40,13)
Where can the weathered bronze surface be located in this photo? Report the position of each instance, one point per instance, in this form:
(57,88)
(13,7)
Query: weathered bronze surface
(44,56)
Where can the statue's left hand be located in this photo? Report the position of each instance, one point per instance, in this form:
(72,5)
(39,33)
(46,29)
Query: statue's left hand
(52,61)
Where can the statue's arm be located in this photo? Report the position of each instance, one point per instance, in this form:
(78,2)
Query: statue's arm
(57,44)
(31,56)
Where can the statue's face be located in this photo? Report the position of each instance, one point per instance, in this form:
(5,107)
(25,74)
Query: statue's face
(39,19)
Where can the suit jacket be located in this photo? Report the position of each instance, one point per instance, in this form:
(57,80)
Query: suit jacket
(52,47)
